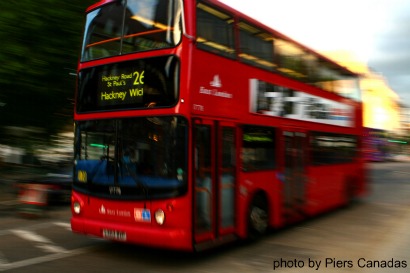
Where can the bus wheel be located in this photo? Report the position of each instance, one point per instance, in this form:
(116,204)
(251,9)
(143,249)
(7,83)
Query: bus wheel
(258,218)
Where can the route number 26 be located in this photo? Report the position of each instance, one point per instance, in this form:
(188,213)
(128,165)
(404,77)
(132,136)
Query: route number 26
(139,77)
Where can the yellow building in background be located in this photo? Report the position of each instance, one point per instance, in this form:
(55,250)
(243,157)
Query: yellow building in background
(381,104)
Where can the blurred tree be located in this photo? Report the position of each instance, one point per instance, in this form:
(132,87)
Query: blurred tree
(39,46)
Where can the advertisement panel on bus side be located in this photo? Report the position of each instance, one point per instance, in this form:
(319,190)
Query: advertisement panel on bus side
(275,100)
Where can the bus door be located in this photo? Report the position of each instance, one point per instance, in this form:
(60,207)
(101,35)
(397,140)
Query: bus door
(294,191)
(214,179)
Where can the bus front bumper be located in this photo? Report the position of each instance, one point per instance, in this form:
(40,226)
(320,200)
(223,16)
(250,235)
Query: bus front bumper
(148,235)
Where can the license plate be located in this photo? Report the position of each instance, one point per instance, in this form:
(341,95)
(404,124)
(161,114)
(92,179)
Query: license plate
(114,235)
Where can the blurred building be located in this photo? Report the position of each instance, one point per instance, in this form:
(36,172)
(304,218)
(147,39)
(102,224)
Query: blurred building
(384,113)
(381,104)
(405,129)
(405,119)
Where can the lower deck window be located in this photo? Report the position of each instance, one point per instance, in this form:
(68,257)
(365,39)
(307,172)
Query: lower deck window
(258,150)
(329,148)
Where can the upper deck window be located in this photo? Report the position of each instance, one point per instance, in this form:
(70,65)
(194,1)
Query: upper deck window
(131,26)
(215,31)
(261,47)
(256,46)
(296,62)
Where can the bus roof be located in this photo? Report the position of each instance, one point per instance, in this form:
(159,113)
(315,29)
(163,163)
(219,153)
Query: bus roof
(239,15)
(342,69)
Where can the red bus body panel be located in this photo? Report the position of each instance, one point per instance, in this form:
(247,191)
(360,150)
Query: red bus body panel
(230,102)
(101,214)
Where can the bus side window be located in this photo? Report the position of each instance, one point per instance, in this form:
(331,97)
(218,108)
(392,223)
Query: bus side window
(258,150)
(329,148)
(215,31)
(256,46)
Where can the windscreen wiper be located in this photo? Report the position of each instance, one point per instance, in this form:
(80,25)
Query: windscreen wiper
(140,184)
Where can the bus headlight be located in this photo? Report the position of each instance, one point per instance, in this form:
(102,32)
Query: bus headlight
(77,207)
(160,216)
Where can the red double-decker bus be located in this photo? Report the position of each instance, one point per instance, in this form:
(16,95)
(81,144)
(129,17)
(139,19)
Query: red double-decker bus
(196,125)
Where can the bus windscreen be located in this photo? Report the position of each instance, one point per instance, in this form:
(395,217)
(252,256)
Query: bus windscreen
(131,158)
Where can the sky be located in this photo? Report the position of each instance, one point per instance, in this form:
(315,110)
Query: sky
(376,32)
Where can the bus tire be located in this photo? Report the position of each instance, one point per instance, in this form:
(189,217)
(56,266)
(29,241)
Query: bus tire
(258,217)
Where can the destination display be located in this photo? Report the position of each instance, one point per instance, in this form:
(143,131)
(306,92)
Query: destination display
(129,85)
(121,87)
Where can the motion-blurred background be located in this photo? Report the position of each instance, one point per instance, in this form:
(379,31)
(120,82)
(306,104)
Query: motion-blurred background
(39,48)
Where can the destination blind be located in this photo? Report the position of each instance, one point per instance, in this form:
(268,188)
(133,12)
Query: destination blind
(129,85)
(121,87)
